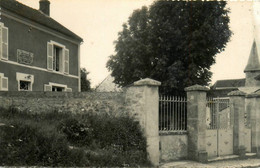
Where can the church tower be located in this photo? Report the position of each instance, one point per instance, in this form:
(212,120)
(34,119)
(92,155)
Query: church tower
(252,69)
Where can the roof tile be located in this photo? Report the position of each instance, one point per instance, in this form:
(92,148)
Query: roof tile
(229,83)
(37,16)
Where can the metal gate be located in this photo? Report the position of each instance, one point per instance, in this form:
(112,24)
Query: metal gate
(219,133)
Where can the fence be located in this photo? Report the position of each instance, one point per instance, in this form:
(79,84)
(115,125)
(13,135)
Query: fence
(218,113)
(172,114)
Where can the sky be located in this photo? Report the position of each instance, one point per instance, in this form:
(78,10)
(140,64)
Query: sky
(99,21)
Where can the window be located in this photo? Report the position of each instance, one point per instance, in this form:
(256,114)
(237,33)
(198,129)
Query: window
(3,42)
(25,81)
(55,87)
(57,57)
(25,86)
(3,82)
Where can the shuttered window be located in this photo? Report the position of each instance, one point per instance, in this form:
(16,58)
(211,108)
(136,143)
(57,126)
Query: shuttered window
(66,61)
(3,42)
(4,82)
(55,87)
(0,42)
(49,56)
(57,57)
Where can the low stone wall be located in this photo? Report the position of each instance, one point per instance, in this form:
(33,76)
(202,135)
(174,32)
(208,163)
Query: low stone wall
(173,147)
(111,103)
(140,100)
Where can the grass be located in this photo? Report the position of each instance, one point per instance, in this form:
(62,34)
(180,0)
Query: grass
(65,139)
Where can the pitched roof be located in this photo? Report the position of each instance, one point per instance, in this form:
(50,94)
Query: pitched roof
(228,84)
(253,63)
(37,16)
(107,85)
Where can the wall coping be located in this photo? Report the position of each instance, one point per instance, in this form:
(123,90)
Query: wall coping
(249,90)
(253,95)
(165,133)
(41,94)
(236,93)
(147,81)
(196,88)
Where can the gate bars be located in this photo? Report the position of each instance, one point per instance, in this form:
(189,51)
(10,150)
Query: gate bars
(172,114)
(218,113)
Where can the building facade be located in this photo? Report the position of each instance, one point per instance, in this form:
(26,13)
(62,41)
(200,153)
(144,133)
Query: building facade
(36,53)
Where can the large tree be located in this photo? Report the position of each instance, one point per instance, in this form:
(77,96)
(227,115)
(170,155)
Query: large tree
(173,42)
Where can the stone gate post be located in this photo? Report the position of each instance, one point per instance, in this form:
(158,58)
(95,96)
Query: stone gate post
(237,115)
(142,100)
(196,122)
(253,107)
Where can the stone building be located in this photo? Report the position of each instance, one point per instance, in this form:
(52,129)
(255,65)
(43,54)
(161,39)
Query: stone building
(108,85)
(222,87)
(252,70)
(36,52)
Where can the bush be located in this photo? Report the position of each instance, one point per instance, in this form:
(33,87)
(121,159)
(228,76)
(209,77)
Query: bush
(24,145)
(122,132)
(65,139)
(118,141)
(110,157)
(78,133)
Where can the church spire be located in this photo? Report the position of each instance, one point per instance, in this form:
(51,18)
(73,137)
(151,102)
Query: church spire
(252,69)
(253,63)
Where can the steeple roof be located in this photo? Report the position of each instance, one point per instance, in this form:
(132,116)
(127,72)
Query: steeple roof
(253,63)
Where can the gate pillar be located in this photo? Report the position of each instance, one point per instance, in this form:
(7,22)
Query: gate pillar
(253,107)
(143,103)
(237,119)
(196,122)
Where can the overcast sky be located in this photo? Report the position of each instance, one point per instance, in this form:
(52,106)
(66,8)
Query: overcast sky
(99,21)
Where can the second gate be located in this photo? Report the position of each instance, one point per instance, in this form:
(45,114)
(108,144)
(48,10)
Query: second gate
(219,133)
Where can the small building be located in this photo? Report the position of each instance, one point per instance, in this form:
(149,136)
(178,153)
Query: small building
(108,85)
(222,87)
(36,52)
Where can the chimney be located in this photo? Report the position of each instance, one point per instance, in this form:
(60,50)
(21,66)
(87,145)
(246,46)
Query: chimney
(45,6)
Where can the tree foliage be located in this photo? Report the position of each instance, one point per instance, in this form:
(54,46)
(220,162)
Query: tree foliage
(85,82)
(172,42)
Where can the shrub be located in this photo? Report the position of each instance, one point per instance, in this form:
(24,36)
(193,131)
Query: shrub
(112,157)
(78,133)
(65,139)
(122,132)
(109,140)
(119,141)
(25,145)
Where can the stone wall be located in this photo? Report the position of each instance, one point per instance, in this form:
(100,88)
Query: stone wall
(39,102)
(173,147)
(140,100)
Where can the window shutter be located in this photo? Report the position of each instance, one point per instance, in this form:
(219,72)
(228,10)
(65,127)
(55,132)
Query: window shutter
(0,41)
(5,83)
(68,90)
(47,88)
(50,56)
(66,61)
(4,43)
